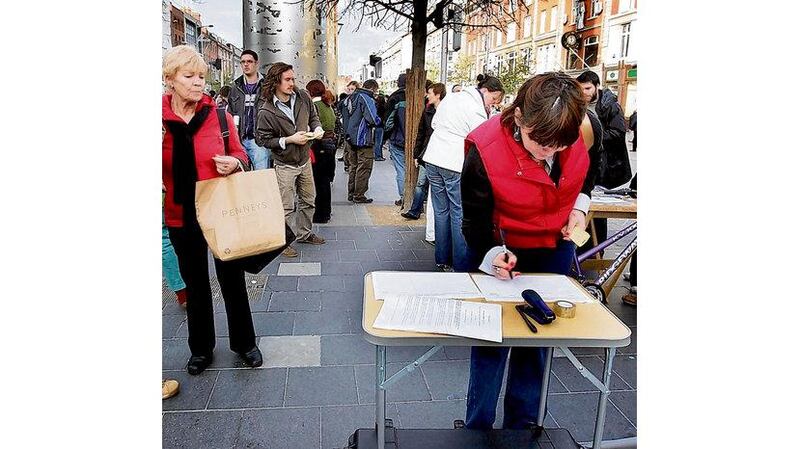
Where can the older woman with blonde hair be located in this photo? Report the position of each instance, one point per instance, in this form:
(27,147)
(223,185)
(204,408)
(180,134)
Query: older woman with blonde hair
(193,150)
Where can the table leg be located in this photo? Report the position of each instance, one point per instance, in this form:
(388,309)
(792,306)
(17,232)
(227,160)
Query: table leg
(545,385)
(380,395)
(601,405)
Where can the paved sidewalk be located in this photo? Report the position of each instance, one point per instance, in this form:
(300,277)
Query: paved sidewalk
(317,383)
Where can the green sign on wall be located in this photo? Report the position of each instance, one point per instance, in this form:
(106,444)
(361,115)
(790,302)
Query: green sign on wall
(632,73)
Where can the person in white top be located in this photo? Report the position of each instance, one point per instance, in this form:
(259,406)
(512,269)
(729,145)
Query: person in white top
(457,115)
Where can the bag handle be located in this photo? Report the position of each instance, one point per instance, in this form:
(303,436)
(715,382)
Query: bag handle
(223,127)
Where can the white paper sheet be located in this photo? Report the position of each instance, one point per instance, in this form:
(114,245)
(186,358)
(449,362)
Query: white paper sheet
(442,316)
(609,200)
(549,287)
(389,284)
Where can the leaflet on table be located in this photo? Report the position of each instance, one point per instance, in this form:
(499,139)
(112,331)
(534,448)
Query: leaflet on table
(388,284)
(442,316)
(549,287)
(608,200)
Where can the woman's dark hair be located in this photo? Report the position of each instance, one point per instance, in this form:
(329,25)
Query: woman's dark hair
(480,78)
(315,88)
(225,91)
(273,78)
(328,98)
(439,89)
(491,84)
(552,104)
(342,96)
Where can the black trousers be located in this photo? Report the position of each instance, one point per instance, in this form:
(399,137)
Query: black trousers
(192,252)
(324,170)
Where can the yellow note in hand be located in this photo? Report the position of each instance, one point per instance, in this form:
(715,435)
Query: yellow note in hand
(579,236)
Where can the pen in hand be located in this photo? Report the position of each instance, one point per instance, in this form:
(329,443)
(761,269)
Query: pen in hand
(505,251)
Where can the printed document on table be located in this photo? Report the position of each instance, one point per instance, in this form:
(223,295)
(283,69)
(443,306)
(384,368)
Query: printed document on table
(609,200)
(392,284)
(442,316)
(549,287)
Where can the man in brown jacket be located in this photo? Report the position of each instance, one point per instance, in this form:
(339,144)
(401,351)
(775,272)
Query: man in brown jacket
(285,122)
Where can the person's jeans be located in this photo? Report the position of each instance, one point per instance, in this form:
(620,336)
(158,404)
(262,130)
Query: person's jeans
(169,261)
(451,248)
(526,366)
(420,193)
(379,143)
(259,156)
(398,155)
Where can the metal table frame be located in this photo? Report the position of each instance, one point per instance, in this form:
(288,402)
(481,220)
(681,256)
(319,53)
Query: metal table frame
(382,384)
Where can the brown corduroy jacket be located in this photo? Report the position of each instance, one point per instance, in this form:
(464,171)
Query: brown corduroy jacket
(272,124)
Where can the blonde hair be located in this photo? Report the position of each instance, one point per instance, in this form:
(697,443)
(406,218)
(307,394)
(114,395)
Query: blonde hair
(182,57)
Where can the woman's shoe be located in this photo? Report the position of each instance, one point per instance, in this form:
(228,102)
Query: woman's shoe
(198,363)
(252,358)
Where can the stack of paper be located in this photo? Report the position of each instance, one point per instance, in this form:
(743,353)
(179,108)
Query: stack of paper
(550,287)
(388,284)
(442,316)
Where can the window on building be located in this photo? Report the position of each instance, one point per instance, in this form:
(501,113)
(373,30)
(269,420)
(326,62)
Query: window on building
(526,26)
(542,19)
(512,5)
(512,60)
(191,34)
(590,50)
(553,18)
(626,5)
(596,8)
(498,38)
(511,32)
(626,40)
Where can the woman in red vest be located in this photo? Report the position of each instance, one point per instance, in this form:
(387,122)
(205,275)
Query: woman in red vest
(520,182)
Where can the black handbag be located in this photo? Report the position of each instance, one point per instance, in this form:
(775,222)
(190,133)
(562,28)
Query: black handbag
(252,264)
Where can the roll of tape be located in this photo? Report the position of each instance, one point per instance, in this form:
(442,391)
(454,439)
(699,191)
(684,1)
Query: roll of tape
(564,309)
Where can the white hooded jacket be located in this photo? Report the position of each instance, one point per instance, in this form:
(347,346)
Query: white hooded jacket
(457,115)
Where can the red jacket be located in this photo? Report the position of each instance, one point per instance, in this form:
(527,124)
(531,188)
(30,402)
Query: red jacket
(527,204)
(207,144)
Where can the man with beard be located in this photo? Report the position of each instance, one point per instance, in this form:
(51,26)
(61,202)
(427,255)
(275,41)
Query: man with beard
(617,170)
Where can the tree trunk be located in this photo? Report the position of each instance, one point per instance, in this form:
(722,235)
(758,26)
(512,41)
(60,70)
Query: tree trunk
(415,97)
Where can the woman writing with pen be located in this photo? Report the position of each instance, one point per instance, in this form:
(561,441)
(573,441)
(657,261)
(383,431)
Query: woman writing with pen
(520,182)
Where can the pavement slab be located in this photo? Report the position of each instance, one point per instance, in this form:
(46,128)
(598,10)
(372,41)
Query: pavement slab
(248,388)
(326,385)
(299,269)
(290,351)
(289,428)
(218,429)
(576,412)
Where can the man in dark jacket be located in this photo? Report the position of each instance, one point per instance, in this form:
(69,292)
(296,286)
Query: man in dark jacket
(360,118)
(394,132)
(285,122)
(603,102)
(243,104)
(617,170)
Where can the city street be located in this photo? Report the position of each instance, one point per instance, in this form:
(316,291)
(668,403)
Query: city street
(317,382)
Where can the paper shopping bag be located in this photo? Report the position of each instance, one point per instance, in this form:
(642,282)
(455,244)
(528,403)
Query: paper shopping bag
(241,214)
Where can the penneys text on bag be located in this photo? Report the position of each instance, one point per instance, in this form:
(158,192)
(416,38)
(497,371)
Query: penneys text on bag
(244,210)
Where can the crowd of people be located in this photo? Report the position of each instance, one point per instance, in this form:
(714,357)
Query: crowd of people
(507,189)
